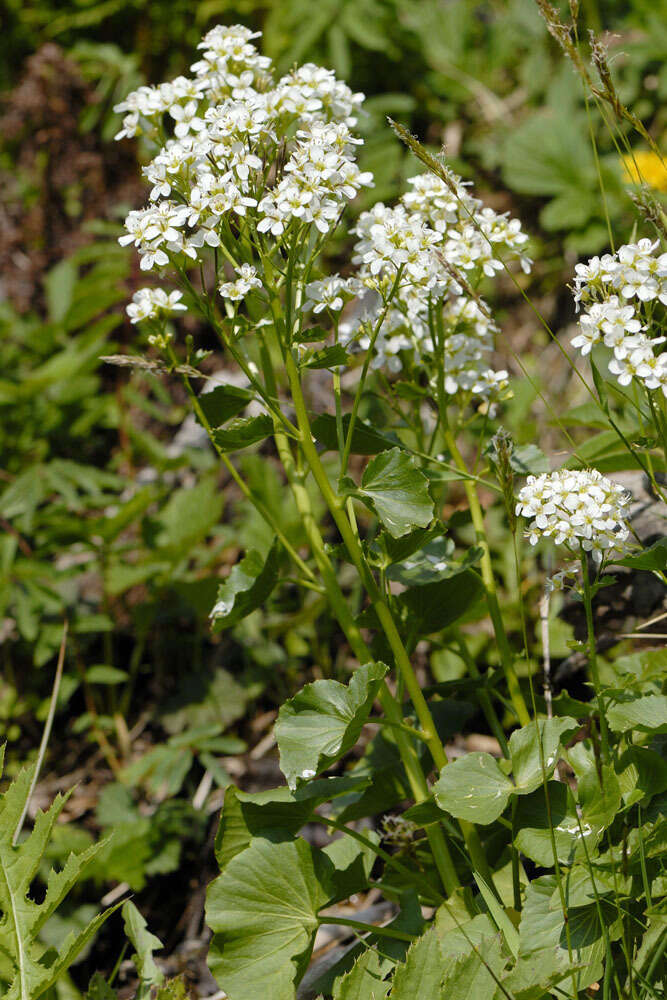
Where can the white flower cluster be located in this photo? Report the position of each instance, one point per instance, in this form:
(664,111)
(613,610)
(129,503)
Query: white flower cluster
(435,222)
(243,156)
(153,303)
(280,154)
(619,293)
(576,509)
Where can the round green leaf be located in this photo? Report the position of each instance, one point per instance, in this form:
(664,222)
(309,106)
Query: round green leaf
(263,914)
(398,492)
(323,722)
(473,788)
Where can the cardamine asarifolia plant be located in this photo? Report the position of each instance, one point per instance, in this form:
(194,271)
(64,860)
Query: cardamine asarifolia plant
(513,876)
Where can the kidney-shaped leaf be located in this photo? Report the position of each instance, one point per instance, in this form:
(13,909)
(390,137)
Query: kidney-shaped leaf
(246,588)
(263,914)
(473,788)
(323,721)
(525,751)
(398,492)
(437,605)
(648,714)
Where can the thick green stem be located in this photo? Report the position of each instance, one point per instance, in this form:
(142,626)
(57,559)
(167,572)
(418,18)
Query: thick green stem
(504,648)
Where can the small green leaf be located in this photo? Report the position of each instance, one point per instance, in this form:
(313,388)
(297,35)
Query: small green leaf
(398,492)
(145,944)
(101,673)
(599,803)
(647,714)
(313,335)
(99,989)
(223,402)
(242,432)
(328,357)
(653,558)
(525,751)
(365,439)
(263,911)
(322,722)
(528,459)
(473,788)
(246,588)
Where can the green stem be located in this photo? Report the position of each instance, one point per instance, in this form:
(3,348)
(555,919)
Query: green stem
(389,859)
(367,928)
(257,503)
(506,655)
(483,695)
(592,658)
(402,660)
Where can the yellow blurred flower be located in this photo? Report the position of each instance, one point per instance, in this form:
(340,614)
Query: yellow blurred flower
(645,167)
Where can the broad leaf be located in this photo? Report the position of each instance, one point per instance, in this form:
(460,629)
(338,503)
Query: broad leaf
(365,439)
(599,803)
(421,973)
(246,588)
(323,722)
(648,714)
(365,980)
(524,747)
(223,402)
(432,563)
(242,432)
(476,975)
(533,820)
(145,944)
(398,492)
(278,812)
(543,938)
(263,913)
(436,606)
(642,773)
(473,788)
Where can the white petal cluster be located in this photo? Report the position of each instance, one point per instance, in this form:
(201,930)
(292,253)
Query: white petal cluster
(578,509)
(154,303)
(619,294)
(245,281)
(235,143)
(329,293)
(434,222)
(271,163)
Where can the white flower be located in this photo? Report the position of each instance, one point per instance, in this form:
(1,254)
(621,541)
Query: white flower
(325,294)
(237,290)
(576,508)
(154,303)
